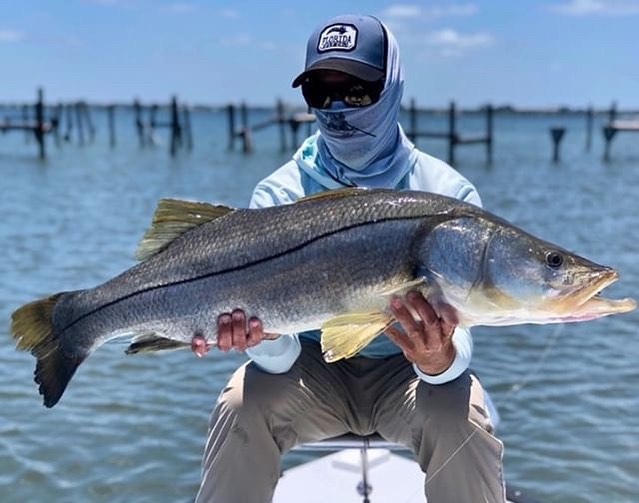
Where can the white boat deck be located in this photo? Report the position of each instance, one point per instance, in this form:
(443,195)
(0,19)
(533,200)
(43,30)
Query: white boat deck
(334,478)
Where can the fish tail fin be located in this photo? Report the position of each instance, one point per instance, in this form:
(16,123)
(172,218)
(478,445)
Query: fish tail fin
(345,335)
(32,328)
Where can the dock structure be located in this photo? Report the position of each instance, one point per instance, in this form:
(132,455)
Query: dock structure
(615,126)
(450,134)
(178,124)
(39,126)
(282,118)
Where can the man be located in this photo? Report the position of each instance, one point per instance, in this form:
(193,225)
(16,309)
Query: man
(411,385)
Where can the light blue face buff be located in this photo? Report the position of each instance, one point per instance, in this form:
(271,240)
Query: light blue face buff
(334,120)
(363,146)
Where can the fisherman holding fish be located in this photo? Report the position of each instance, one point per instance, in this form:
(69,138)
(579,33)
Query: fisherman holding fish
(357,264)
(412,386)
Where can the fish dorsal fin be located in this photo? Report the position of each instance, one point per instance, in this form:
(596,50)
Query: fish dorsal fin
(346,334)
(335,193)
(172,218)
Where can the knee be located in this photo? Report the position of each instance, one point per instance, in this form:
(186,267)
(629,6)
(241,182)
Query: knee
(250,395)
(456,402)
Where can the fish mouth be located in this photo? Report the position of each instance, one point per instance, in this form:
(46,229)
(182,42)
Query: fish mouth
(587,303)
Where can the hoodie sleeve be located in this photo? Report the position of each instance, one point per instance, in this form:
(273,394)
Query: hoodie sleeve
(463,343)
(275,356)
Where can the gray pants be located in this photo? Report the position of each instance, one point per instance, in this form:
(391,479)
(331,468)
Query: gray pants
(259,416)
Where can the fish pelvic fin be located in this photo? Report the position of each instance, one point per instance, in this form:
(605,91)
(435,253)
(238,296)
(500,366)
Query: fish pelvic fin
(347,334)
(172,218)
(146,343)
(32,328)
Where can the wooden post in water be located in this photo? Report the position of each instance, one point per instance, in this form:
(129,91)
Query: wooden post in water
(280,123)
(489,133)
(609,131)
(452,134)
(39,117)
(176,130)
(78,118)
(589,122)
(111,121)
(69,116)
(139,125)
(557,134)
(230,112)
(246,131)
(87,117)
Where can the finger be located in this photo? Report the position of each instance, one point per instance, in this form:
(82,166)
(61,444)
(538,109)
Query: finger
(423,308)
(404,317)
(224,332)
(256,332)
(399,338)
(239,330)
(199,345)
(448,315)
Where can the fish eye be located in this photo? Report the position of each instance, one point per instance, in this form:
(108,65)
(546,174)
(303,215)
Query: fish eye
(554,259)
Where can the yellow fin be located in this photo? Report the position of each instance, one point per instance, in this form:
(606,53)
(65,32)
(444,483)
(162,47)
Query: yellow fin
(345,335)
(171,219)
(335,193)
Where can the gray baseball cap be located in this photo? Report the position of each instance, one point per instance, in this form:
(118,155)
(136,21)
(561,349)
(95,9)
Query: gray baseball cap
(355,45)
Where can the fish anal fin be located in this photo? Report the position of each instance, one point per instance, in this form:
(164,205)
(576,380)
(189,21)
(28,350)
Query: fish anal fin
(172,218)
(345,335)
(148,342)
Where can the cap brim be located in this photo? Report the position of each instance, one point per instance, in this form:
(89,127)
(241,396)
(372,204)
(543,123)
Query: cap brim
(354,68)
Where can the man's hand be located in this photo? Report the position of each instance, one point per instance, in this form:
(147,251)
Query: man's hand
(233,332)
(427,342)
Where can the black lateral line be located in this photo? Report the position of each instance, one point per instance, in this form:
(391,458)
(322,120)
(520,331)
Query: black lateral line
(249,264)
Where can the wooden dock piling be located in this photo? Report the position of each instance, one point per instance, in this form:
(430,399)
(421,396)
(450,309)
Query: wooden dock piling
(450,134)
(39,126)
(557,134)
(111,122)
(589,123)
(615,126)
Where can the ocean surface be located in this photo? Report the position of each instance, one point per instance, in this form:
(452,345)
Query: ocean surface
(132,428)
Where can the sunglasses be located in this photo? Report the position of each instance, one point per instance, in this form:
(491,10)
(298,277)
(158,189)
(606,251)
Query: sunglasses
(353,92)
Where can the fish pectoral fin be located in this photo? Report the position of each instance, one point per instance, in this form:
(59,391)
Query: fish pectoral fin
(147,342)
(403,288)
(172,218)
(345,335)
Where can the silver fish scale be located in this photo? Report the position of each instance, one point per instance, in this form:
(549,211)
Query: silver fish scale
(248,238)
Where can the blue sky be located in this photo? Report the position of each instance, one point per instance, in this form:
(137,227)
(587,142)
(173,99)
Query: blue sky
(528,53)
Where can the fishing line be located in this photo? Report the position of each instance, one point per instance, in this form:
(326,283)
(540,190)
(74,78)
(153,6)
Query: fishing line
(514,389)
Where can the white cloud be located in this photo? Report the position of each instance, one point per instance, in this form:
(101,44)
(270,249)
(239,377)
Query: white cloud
(597,7)
(449,42)
(413,11)
(10,35)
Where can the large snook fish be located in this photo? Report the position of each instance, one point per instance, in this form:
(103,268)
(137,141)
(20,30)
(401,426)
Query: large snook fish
(330,261)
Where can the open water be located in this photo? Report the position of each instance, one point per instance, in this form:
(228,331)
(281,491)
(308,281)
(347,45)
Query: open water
(132,428)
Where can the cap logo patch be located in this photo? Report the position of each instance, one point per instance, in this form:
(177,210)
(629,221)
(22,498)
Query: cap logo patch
(340,37)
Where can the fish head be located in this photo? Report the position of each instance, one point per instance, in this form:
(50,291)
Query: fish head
(539,282)
(496,274)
